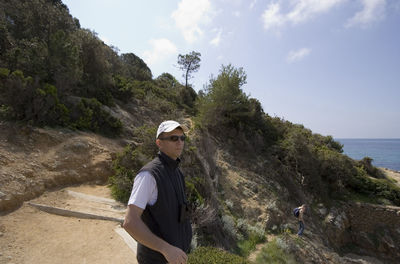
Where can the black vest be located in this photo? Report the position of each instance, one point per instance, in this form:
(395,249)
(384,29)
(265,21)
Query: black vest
(162,218)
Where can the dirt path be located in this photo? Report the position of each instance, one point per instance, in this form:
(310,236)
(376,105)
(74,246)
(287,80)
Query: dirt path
(253,255)
(29,235)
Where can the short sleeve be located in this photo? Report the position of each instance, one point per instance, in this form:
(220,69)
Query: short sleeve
(144,190)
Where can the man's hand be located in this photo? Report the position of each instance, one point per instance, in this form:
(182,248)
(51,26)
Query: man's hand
(134,225)
(175,255)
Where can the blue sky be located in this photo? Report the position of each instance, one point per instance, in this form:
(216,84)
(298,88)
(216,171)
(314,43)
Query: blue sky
(331,65)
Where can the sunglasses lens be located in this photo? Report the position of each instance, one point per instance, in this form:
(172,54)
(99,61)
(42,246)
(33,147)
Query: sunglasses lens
(174,138)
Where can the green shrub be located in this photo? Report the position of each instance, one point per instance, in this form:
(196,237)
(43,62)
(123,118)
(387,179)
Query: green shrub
(130,161)
(5,112)
(251,235)
(373,188)
(249,244)
(223,108)
(135,68)
(160,105)
(194,196)
(91,116)
(223,104)
(209,255)
(371,170)
(273,253)
(47,109)
(124,89)
(26,99)
(334,168)
(4,72)
(126,167)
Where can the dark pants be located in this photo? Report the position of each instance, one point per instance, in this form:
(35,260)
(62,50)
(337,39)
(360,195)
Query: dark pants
(301,228)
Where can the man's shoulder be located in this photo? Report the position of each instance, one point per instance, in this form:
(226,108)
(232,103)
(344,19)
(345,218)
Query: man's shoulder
(151,164)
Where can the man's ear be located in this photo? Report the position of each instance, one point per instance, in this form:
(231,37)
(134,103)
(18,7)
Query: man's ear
(158,142)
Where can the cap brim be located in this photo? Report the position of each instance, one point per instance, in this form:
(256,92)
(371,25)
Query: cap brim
(183,127)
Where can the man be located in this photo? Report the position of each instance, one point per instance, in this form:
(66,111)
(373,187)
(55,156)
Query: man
(156,216)
(302,210)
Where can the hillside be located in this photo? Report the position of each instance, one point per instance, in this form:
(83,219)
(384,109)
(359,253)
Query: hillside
(37,161)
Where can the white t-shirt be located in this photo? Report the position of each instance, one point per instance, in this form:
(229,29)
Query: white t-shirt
(144,190)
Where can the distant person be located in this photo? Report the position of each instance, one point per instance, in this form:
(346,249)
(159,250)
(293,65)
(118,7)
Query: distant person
(299,212)
(157,209)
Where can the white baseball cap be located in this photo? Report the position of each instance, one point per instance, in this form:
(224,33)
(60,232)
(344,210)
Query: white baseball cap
(168,126)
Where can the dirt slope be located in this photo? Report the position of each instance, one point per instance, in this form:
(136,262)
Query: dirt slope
(35,165)
(33,160)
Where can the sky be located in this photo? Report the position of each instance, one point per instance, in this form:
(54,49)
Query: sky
(330,65)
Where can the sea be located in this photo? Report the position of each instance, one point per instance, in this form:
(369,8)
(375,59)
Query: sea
(384,152)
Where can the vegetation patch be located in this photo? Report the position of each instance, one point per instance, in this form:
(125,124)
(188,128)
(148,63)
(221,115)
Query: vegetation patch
(92,116)
(274,253)
(373,189)
(209,255)
(130,161)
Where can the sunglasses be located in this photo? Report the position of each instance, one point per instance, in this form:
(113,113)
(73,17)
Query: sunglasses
(174,138)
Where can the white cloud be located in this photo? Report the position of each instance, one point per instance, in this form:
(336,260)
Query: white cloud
(190,15)
(215,41)
(297,55)
(299,11)
(272,17)
(373,10)
(306,9)
(160,50)
(252,4)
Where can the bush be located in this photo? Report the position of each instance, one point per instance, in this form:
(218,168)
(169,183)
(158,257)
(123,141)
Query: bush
(373,171)
(123,88)
(224,109)
(273,253)
(4,72)
(91,116)
(249,244)
(26,99)
(135,68)
(5,112)
(47,109)
(194,196)
(183,97)
(334,168)
(130,161)
(17,93)
(209,255)
(223,104)
(373,188)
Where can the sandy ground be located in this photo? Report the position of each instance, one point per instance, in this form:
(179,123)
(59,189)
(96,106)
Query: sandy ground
(395,175)
(29,235)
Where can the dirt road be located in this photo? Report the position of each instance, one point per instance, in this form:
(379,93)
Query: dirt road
(29,235)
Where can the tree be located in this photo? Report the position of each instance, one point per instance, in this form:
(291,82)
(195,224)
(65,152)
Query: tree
(135,67)
(224,104)
(189,63)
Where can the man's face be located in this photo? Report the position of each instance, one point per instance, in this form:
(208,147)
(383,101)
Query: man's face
(172,148)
